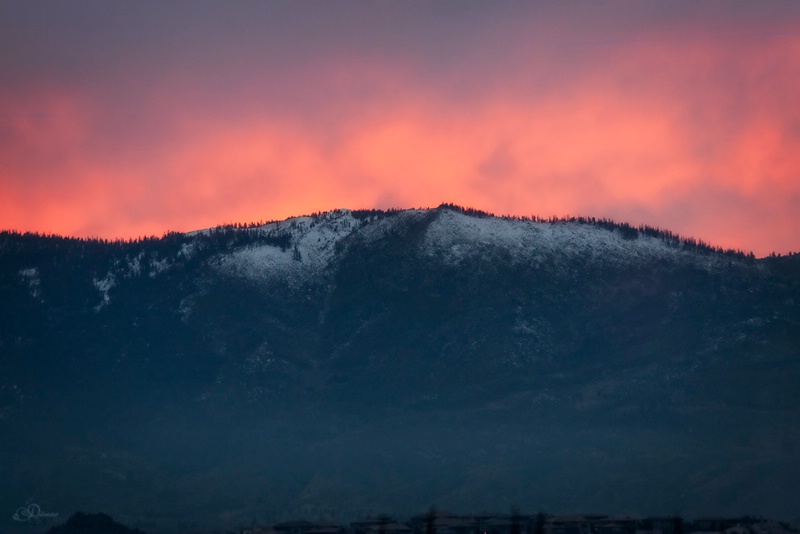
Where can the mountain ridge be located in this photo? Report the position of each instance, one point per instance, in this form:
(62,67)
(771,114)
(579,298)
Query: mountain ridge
(387,361)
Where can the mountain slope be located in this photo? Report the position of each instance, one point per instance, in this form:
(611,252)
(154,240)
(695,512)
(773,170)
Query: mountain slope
(355,362)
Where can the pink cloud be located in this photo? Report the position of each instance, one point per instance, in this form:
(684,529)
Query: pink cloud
(695,134)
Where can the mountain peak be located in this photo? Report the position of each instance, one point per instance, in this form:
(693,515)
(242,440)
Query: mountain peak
(453,234)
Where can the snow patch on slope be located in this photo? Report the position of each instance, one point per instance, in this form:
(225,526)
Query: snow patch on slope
(313,245)
(456,237)
(104,286)
(31,277)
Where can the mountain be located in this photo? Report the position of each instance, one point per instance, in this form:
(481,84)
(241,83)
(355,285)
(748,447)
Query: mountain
(357,362)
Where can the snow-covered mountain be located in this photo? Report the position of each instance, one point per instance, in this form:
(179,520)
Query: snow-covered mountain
(356,362)
(452,236)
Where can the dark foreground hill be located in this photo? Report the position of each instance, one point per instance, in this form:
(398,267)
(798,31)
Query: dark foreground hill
(356,362)
(80,523)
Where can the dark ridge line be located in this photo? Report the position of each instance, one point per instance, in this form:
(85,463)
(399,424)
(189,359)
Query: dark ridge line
(235,234)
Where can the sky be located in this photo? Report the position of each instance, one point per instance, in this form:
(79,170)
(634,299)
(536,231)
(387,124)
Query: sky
(124,119)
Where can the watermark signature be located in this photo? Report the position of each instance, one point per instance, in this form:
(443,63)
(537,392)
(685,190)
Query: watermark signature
(32,512)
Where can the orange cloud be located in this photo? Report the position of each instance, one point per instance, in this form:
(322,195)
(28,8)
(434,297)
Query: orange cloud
(697,136)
